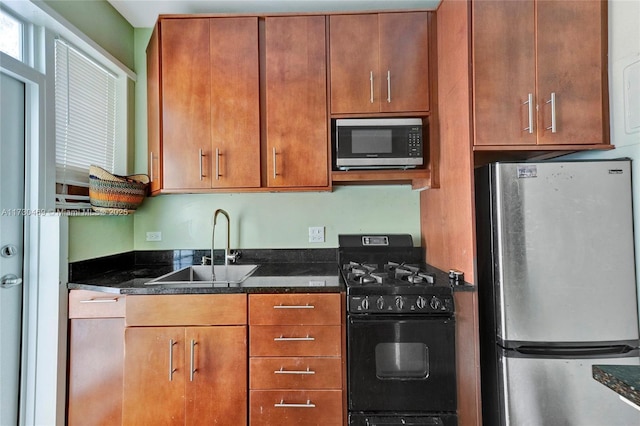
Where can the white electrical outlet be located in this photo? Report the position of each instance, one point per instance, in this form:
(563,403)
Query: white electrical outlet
(316,234)
(154,236)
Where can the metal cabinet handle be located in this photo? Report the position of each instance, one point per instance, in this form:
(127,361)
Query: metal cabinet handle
(151,166)
(529,103)
(217,164)
(304,372)
(192,370)
(171,369)
(371,86)
(101,300)
(552,101)
(294,339)
(283,404)
(293,307)
(200,159)
(275,172)
(388,86)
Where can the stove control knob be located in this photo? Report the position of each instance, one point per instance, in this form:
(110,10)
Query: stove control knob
(435,303)
(421,302)
(365,303)
(399,302)
(380,303)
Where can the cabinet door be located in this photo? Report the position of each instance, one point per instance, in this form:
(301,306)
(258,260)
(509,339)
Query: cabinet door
(296,102)
(404,61)
(153,112)
(216,391)
(570,65)
(154,376)
(355,64)
(186,103)
(96,352)
(235,107)
(504,72)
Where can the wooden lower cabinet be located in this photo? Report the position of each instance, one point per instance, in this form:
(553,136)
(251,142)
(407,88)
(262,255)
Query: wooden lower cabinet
(96,357)
(95,371)
(185,360)
(296,368)
(185,375)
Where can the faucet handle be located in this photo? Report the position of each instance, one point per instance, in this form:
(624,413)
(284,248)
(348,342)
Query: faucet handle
(206,259)
(234,255)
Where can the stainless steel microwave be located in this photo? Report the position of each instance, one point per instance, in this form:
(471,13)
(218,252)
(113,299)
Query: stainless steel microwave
(378,143)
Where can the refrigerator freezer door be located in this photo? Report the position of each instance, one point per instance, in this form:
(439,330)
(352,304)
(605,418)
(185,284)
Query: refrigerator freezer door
(564,265)
(561,392)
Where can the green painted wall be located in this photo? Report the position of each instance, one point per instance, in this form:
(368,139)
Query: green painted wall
(277,220)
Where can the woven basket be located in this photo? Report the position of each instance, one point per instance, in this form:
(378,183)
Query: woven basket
(113,194)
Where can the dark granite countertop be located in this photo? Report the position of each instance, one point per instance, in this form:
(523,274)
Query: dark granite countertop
(624,379)
(279,271)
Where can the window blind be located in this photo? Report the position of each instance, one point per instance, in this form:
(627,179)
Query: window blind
(85,102)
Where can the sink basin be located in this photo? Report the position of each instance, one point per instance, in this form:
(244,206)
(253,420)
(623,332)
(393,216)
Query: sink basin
(201,274)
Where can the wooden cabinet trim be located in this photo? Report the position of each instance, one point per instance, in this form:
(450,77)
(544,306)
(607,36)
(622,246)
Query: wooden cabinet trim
(186,309)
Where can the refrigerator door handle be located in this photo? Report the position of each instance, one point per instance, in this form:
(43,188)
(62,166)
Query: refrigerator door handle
(574,352)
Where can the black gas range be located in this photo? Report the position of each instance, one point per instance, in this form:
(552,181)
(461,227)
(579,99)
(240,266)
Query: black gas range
(400,334)
(384,274)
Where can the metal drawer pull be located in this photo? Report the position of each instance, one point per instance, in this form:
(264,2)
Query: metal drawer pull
(388,86)
(294,339)
(192,369)
(371,86)
(283,404)
(171,369)
(529,103)
(552,101)
(283,371)
(294,307)
(101,300)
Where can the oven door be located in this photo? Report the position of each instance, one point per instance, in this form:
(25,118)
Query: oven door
(400,364)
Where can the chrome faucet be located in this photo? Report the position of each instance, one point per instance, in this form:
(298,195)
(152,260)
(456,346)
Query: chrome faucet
(229,255)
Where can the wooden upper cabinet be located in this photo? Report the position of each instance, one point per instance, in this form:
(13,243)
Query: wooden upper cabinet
(203,104)
(235,91)
(539,70)
(296,102)
(186,103)
(379,62)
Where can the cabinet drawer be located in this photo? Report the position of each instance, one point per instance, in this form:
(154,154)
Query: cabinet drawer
(295,408)
(295,309)
(288,340)
(186,309)
(295,373)
(95,304)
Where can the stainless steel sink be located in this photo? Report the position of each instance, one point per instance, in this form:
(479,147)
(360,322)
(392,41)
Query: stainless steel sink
(201,274)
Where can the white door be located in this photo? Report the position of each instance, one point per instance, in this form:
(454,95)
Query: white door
(12,177)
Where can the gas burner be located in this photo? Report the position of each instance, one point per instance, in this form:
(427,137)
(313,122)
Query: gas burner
(411,274)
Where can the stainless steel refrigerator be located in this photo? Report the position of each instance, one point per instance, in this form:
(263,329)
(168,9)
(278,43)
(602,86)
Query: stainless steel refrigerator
(557,289)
